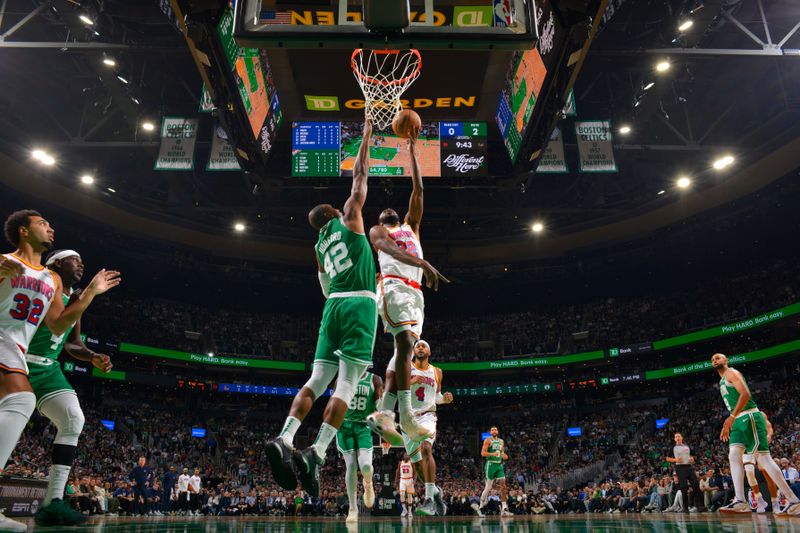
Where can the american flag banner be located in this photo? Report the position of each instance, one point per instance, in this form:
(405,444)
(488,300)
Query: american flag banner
(275,17)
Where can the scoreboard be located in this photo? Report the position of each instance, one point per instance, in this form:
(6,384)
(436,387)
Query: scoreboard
(315,149)
(448,149)
(463,149)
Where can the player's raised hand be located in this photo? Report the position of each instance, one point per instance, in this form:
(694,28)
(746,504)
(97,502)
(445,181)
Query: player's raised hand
(432,276)
(10,268)
(102,362)
(367,125)
(725,434)
(104,281)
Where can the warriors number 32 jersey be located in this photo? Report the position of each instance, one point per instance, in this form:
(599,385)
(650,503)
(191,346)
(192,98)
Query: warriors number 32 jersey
(405,238)
(24,302)
(423,391)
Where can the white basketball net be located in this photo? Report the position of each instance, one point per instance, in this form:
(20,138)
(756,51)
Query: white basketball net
(384,75)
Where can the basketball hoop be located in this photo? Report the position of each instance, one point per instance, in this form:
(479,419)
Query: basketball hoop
(384,75)
(385,447)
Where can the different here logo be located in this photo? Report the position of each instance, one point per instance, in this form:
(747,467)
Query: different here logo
(322,103)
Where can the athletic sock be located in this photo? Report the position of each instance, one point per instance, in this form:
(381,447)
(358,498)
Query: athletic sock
(430,490)
(388,401)
(405,403)
(15,411)
(59,475)
(290,427)
(326,434)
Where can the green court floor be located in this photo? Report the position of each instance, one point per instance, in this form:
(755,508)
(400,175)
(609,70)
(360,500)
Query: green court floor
(549,523)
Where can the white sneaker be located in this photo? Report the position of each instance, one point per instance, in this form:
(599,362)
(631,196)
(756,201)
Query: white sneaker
(692,509)
(761,506)
(352,516)
(6,524)
(405,511)
(383,423)
(792,509)
(506,512)
(735,507)
(475,507)
(369,494)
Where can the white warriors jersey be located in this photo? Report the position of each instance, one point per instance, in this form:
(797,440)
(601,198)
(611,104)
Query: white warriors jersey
(406,470)
(24,302)
(423,392)
(405,238)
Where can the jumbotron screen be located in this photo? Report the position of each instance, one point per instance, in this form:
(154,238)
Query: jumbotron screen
(329,149)
(523,84)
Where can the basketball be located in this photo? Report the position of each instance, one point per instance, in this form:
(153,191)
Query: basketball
(406,124)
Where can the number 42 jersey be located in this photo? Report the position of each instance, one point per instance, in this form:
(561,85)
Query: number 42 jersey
(24,302)
(346,256)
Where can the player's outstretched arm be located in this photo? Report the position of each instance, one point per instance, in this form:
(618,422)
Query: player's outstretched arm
(414,214)
(382,242)
(358,193)
(485,450)
(78,350)
(59,319)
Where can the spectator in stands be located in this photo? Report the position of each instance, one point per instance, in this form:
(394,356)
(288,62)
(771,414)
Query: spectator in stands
(791,475)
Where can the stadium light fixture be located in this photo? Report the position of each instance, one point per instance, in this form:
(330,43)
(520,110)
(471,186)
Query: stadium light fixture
(685,25)
(86,179)
(683,182)
(211,354)
(86,20)
(109,189)
(662,191)
(624,130)
(123,80)
(663,66)
(240,227)
(109,61)
(537,227)
(43,157)
(649,86)
(723,162)
(148,126)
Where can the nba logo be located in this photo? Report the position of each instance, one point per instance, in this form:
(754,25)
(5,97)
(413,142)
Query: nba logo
(503,13)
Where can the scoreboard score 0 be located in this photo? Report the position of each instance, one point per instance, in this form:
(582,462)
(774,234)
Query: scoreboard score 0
(463,149)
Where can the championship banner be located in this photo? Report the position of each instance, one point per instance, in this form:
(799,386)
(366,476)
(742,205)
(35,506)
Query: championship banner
(594,146)
(570,110)
(206,103)
(21,496)
(221,156)
(178,137)
(552,160)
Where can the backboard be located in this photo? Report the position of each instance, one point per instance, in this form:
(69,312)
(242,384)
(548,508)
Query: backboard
(433,24)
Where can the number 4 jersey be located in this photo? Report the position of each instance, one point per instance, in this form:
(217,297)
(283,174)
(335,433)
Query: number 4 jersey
(24,302)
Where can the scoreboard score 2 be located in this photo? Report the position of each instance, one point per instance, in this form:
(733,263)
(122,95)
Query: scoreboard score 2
(463,149)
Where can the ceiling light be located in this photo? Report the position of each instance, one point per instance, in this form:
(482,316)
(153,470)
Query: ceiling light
(38,154)
(86,179)
(723,162)
(148,126)
(86,20)
(135,100)
(211,354)
(648,86)
(662,191)
(110,62)
(685,25)
(624,130)
(123,80)
(663,66)
(48,160)
(537,227)
(109,189)
(239,227)
(683,182)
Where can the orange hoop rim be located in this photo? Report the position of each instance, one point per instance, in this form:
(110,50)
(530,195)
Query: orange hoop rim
(374,81)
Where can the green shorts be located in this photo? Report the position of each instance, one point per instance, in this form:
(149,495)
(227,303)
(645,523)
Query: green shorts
(494,471)
(353,436)
(347,330)
(47,381)
(749,431)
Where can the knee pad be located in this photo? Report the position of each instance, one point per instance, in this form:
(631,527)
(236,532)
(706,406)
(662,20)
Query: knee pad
(349,376)
(365,459)
(321,376)
(22,403)
(65,412)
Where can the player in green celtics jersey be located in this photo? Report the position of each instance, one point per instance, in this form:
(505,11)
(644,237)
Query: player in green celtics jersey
(354,441)
(493,452)
(55,397)
(746,431)
(346,333)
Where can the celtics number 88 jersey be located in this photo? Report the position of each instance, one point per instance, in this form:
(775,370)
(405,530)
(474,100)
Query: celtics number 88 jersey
(363,403)
(346,257)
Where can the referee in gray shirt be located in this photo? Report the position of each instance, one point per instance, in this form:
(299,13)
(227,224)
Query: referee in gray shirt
(683,460)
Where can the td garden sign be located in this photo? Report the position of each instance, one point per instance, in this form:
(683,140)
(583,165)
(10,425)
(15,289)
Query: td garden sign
(331,103)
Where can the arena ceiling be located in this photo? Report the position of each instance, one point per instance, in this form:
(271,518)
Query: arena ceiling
(730,89)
